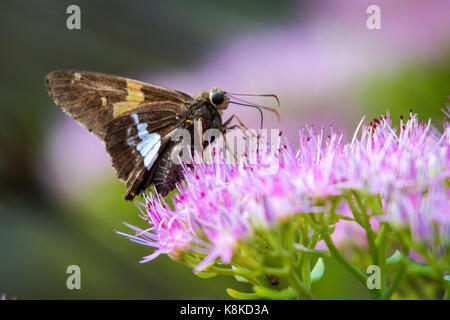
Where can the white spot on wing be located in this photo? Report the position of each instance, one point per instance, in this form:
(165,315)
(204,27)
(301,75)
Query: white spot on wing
(142,130)
(149,148)
(149,145)
(135,118)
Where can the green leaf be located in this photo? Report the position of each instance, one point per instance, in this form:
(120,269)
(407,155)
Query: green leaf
(237,277)
(267,293)
(205,275)
(241,295)
(240,279)
(396,257)
(318,271)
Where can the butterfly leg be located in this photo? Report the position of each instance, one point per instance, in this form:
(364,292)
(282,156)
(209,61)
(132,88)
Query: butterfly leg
(226,126)
(247,132)
(226,123)
(241,125)
(227,147)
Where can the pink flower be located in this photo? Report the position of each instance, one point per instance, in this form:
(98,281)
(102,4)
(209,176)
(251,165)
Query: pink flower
(220,207)
(167,231)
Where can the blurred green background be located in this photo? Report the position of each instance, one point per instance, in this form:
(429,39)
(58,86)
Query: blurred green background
(59,199)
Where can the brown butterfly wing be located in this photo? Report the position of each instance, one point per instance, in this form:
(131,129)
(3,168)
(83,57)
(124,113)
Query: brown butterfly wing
(94,99)
(136,138)
(133,118)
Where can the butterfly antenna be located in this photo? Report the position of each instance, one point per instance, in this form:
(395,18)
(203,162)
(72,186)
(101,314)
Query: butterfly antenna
(271,95)
(252,106)
(258,107)
(248,103)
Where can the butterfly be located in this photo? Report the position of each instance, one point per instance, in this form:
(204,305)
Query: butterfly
(136,121)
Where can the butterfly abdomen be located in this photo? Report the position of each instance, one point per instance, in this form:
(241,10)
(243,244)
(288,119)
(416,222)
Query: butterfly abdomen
(167,172)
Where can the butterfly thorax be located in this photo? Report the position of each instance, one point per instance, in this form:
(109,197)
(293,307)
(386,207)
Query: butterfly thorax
(204,95)
(202,109)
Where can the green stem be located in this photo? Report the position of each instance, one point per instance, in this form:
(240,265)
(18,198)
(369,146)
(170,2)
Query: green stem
(306,271)
(343,260)
(247,275)
(447,293)
(353,209)
(381,248)
(396,281)
(320,253)
(281,272)
(298,286)
(423,270)
(286,240)
(366,225)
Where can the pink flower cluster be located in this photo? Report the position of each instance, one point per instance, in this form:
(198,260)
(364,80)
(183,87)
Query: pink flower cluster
(410,170)
(220,206)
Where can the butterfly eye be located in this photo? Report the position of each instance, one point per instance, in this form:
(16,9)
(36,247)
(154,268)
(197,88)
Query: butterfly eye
(217,98)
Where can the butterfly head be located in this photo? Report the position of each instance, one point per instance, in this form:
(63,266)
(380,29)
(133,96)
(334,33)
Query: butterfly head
(219,98)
